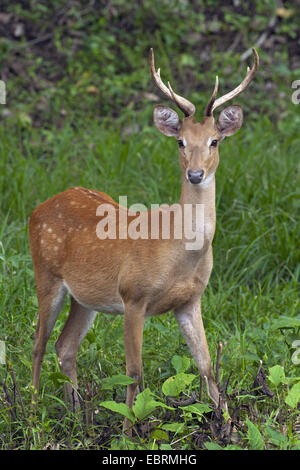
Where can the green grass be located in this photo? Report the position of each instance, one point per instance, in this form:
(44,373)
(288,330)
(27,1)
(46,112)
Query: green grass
(254,281)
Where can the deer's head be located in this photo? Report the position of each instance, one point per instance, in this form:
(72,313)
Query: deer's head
(199,141)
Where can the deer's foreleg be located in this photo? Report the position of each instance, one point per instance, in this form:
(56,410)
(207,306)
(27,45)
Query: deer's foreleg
(190,321)
(134,320)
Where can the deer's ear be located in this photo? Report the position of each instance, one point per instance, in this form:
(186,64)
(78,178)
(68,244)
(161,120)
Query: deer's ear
(230,120)
(167,121)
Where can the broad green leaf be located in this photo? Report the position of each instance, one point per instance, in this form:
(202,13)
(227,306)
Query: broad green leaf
(173,386)
(293,397)
(120,408)
(165,447)
(173,427)
(197,408)
(180,363)
(213,446)
(277,438)
(145,404)
(277,375)
(109,382)
(254,436)
(159,435)
(286,322)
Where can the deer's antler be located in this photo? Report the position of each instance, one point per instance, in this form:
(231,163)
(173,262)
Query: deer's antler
(213,103)
(183,104)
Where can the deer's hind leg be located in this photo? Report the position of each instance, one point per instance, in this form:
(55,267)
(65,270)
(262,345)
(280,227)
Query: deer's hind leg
(51,293)
(78,323)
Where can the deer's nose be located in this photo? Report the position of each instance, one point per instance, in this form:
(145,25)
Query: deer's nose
(195,177)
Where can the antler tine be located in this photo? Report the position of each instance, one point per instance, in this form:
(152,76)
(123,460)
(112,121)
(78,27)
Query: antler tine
(208,109)
(213,103)
(183,104)
(156,76)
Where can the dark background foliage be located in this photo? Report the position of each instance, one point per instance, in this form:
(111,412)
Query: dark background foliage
(92,56)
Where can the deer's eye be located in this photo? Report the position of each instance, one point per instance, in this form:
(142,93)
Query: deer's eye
(214,143)
(181,142)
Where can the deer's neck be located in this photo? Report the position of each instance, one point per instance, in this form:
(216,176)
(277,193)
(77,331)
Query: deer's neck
(198,202)
(199,194)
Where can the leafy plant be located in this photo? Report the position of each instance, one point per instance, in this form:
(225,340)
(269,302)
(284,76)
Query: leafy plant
(144,405)
(254,436)
(277,377)
(176,384)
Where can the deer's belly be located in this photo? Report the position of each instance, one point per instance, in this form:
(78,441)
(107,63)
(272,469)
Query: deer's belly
(89,299)
(173,297)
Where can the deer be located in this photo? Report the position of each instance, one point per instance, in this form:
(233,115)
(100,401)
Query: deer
(138,277)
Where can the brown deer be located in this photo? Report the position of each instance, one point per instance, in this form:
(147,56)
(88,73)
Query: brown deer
(134,276)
